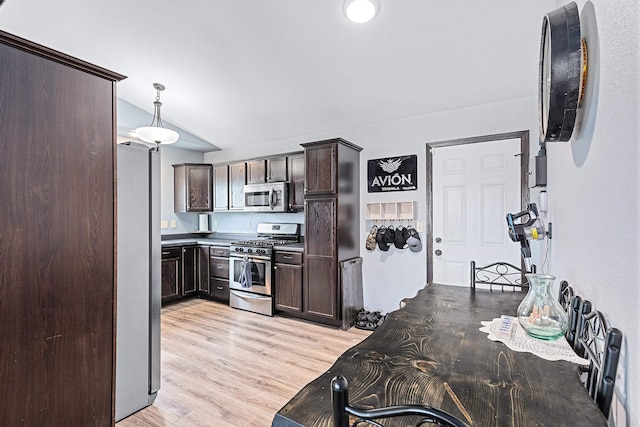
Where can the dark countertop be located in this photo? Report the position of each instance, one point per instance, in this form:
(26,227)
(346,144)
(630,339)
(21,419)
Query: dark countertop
(198,241)
(215,239)
(295,247)
(431,352)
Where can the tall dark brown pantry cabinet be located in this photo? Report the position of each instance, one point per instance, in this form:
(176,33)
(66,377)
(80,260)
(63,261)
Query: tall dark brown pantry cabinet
(332,212)
(57,271)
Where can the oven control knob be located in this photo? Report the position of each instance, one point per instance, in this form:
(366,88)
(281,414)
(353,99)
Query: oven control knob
(239,249)
(260,251)
(249,250)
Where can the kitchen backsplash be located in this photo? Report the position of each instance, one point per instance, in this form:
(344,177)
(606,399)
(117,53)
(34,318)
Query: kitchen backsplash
(233,222)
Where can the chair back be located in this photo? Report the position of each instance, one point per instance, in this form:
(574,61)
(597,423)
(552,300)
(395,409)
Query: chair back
(601,346)
(571,304)
(584,309)
(342,410)
(565,294)
(500,274)
(574,317)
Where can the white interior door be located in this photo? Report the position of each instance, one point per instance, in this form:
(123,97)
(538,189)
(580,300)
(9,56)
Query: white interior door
(474,186)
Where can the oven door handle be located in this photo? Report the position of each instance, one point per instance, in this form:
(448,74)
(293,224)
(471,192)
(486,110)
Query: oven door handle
(249,296)
(249,258)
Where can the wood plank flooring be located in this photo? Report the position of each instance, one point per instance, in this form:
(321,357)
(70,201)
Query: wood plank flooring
(227,367)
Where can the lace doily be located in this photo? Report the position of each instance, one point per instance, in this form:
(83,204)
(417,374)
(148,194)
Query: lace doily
(558,349)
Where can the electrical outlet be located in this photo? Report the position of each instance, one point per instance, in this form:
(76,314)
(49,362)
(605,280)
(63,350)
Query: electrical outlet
(164,224)
(419,226)
(174,224)
(215,223)
(249,224)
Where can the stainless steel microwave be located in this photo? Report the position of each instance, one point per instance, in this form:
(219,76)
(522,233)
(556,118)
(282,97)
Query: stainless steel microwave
(270,197)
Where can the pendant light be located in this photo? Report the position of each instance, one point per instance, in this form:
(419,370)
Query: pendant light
(360,11)
(155,132)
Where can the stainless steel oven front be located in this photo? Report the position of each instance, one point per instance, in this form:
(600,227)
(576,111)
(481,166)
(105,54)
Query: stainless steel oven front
(250,283)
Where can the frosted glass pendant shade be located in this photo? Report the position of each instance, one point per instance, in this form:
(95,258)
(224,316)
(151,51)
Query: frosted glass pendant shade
(157,134)
(360,11)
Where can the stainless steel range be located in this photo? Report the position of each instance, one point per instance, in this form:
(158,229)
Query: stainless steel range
(251,267)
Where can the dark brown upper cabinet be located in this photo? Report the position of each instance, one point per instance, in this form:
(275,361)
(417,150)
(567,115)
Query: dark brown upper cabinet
(221,188)
(320,170)
(256,171)
(277,169)
(229,182)
(296,182)
(193,187)
(230,179)
(271,169)
(237,181)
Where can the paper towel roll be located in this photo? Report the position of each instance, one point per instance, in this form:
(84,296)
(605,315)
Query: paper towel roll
(204,222)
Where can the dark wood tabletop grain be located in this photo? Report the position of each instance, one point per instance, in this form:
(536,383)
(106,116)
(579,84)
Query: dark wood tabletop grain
(431,352)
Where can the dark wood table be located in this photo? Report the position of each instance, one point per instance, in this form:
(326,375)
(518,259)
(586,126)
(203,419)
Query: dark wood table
(431,352)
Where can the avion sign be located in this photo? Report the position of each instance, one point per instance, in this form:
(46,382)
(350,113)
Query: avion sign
(392,174)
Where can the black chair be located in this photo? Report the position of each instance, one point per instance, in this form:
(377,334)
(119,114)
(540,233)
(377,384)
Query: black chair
(565,294)
(571,303)
(500,274)
(584,308)
(342,410)
(601,346)
(574,317)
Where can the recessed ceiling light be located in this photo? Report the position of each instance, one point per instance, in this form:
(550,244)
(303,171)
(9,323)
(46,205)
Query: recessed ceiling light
(360,11)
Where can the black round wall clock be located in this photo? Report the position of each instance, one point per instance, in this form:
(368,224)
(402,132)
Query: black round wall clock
(561,73)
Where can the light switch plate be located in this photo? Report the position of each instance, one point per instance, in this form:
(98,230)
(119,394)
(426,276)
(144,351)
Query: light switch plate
(174,224)
(164,224)
(419,226)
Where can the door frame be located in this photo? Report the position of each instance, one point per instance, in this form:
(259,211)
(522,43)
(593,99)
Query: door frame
(524,173)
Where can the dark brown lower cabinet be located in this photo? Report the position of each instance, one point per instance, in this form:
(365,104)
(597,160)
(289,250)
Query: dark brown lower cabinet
(321,281)
(214,273)
(189,270)
(321,288)
(171,273)
(288,281)
(219,274)
(195,270)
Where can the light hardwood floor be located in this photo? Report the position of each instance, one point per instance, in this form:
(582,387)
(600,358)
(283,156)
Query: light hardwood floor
(227,367)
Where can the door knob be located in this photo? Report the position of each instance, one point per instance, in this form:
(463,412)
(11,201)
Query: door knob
(438,252)
(438,240)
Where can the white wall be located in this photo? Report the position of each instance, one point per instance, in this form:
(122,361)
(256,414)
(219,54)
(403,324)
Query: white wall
(594,186)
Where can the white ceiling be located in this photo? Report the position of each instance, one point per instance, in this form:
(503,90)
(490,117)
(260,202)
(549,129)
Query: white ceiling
(253,71)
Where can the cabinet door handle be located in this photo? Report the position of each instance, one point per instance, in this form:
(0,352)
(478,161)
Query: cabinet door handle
(287,257)
(220,288)
(220,267)
(165,253)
